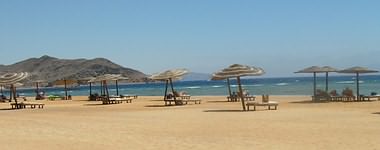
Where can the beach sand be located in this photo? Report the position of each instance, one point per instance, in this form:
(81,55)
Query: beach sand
(214,124)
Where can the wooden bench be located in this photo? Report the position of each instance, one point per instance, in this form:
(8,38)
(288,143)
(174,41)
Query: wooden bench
(269,104)
(376,97)
(24,105)
(116,100)
(265,102)
(196,101)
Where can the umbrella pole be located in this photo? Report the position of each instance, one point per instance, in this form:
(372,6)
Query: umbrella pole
(117,88)
(106,89)
(315,83)
(101,88)
(171,84)
(1,88)
(13,92)
(65,90)
(90,88)
(10,93)
(166,89)
(36,88)
(229,88)
(357,86)
(327,82)
(241,92)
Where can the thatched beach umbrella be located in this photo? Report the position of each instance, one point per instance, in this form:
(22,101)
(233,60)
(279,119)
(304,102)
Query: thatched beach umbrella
(168,76)
(327,70)
(65,82)
(215,77)
(88,80)
(314,70)
(238,71)
(11,79)
(357,71)
(117,83)
(103,79)
(37,82)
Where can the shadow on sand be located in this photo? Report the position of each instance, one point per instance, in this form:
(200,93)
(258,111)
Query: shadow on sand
(5,109)
(225,110)
(92,104)
(376,113)
(217,101)
(163,105)
(309,102)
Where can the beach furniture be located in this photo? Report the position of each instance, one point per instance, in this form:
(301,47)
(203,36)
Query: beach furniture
(53,97)
(25,105)
(321,95)
(180,99)
(116,100)
(265,102)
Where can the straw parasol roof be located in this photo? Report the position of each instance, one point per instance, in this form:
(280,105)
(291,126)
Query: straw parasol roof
(65,81)
(12,78)
(105,77)
(238,70)
(170,74)
(329,69)
(357,71)
(312,69)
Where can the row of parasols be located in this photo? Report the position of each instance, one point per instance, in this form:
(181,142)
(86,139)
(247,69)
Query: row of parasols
(234,71)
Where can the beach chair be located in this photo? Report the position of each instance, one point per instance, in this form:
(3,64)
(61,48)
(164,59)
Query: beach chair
(265,102)
(321,95)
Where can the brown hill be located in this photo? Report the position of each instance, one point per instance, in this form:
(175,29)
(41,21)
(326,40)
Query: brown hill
(51,69)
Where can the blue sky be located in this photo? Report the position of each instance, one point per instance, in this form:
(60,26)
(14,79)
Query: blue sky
(201,35)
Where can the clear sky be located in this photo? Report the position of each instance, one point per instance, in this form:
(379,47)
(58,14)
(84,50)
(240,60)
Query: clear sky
(281,36)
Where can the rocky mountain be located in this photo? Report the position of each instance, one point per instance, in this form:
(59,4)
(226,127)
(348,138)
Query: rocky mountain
(51,69)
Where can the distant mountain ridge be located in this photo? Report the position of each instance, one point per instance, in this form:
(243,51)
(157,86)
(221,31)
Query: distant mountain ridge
(50,68)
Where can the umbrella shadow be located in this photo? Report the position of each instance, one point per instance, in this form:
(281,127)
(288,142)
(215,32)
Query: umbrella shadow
(5,109)
(218,101)
(92,104)
(162,105)
(309,102)
(376,113)
(224,110)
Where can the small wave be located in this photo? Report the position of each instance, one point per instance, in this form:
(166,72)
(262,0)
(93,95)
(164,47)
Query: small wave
(348,82)
(258,85)
(193,87)
(282,84)
(233,85)
(217,86)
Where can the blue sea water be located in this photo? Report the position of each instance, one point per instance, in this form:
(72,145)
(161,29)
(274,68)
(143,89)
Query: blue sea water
(255,86)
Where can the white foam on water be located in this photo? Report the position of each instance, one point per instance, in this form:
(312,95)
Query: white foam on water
(282,84)
(217,86)
(193,87)
(348,82)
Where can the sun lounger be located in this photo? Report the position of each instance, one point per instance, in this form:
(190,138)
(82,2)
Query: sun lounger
(116,100)
(376,97)
(24,105)
(265,102)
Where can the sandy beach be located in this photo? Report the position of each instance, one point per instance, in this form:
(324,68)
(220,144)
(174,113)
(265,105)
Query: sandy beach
(214,124)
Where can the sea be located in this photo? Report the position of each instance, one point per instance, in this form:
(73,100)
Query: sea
(255,86)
